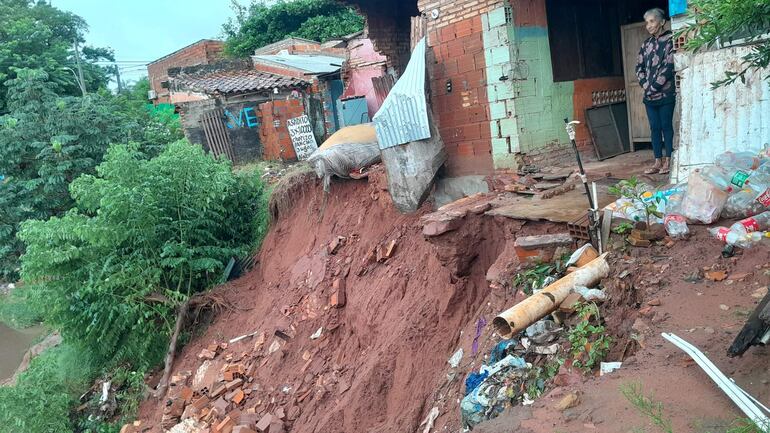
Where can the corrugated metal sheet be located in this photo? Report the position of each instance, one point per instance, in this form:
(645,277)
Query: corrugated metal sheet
(403,116)
(313,63)
(735,117)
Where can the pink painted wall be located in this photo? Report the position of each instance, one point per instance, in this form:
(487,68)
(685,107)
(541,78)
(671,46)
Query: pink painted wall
(363,63)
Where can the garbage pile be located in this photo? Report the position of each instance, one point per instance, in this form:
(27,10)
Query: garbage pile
(736,186)
(539,340)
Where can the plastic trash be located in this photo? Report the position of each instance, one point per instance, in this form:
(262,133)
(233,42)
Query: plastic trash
(591,295)
(543,331)
(746,160)
(717,177)
(752,224)
(704,201)
(749,240)
(742,204)
(720,233)
(489,398)
(454,361)
(673,220)
(608,367)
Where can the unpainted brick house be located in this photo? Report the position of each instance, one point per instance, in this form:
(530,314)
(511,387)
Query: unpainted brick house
(203,52)
(504,74)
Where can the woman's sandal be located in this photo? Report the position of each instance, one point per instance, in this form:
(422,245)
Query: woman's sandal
(652,170)
(664,170)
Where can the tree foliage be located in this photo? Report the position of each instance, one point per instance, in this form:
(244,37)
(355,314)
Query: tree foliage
(35,35)
(718,21)
(145,235)
(46,142)
(259,24)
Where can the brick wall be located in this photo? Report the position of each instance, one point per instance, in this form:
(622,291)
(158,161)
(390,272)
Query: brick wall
(278,70)
(276,142)
(200,53)
(457,58)
(298,46)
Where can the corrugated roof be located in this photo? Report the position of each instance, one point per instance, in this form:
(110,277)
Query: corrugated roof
(226,82)
(312,63)
(403,116)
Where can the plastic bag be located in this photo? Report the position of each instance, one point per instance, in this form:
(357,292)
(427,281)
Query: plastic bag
(340,160)
(703,202)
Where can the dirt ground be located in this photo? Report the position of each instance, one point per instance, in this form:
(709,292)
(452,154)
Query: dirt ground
(380,363)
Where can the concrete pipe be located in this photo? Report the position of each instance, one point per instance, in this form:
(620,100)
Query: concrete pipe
(520,316)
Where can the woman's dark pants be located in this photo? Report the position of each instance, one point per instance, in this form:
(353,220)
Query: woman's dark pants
(662,127)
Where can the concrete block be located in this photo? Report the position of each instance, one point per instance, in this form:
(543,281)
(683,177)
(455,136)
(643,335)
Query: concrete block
(411,169)
(496,17)
(508,127)
(505,91)
(500,55)
(497,110)
(499,146)
(484,22)
(450,189)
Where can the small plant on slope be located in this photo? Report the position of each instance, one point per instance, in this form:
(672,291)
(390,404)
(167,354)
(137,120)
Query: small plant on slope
(588,340)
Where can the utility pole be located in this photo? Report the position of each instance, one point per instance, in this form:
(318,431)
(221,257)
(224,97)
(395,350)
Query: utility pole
(80,70)
(117,77)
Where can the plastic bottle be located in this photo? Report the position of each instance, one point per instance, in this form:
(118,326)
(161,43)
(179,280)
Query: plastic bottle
(746,160)
(674,222)
(720,233)
(748,240)
(752,224)
(743,204)
(717,177)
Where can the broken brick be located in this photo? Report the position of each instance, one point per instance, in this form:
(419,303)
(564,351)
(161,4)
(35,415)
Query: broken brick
(200,402)
(242,429)
(186,394)
(391,249)
(716,275)
(294,413)
(440,226)
(264,423)
(279,413)
(569,304)
(219,390)
(276,426)
(239,396)
(338,298)
(220,406)
(234,384)
(638,242)
(335,245)
(540,248)
(226,426)
(207,354)
(175,408)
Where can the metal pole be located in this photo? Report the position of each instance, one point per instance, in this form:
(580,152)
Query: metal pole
(570,126)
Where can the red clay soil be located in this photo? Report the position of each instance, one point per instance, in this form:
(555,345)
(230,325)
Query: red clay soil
(695,311)
(380,364)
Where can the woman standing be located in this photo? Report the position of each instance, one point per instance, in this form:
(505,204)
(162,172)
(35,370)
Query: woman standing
(655,71)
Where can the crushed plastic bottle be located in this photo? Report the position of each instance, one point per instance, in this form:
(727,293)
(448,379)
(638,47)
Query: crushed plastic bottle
(704,200)
(743,204)
(718,178)
(746,160)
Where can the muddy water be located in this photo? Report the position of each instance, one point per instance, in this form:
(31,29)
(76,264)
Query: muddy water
(13,344)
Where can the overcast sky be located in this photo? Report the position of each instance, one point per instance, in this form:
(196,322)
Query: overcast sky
(144,30)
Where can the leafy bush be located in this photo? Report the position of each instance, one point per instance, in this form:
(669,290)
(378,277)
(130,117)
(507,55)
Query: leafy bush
(41,400)
(145,235)
(16,313)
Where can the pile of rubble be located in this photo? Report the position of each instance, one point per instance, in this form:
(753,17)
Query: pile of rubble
(222,395)
(532,182)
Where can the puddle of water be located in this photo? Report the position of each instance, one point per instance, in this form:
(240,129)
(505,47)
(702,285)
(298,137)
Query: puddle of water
(14,344)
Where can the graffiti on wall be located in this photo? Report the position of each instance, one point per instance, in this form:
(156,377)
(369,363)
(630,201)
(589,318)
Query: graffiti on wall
(246,118)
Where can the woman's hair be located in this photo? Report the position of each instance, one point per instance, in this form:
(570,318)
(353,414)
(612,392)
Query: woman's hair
(657,13)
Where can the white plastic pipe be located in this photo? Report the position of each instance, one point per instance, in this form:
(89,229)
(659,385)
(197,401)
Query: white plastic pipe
(737,395)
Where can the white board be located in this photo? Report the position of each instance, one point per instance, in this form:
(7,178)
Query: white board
(302,138)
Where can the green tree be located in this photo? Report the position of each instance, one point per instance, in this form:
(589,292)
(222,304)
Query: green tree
(45,142)
(259,24)
(144,237)
(719,21)
(35,35)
